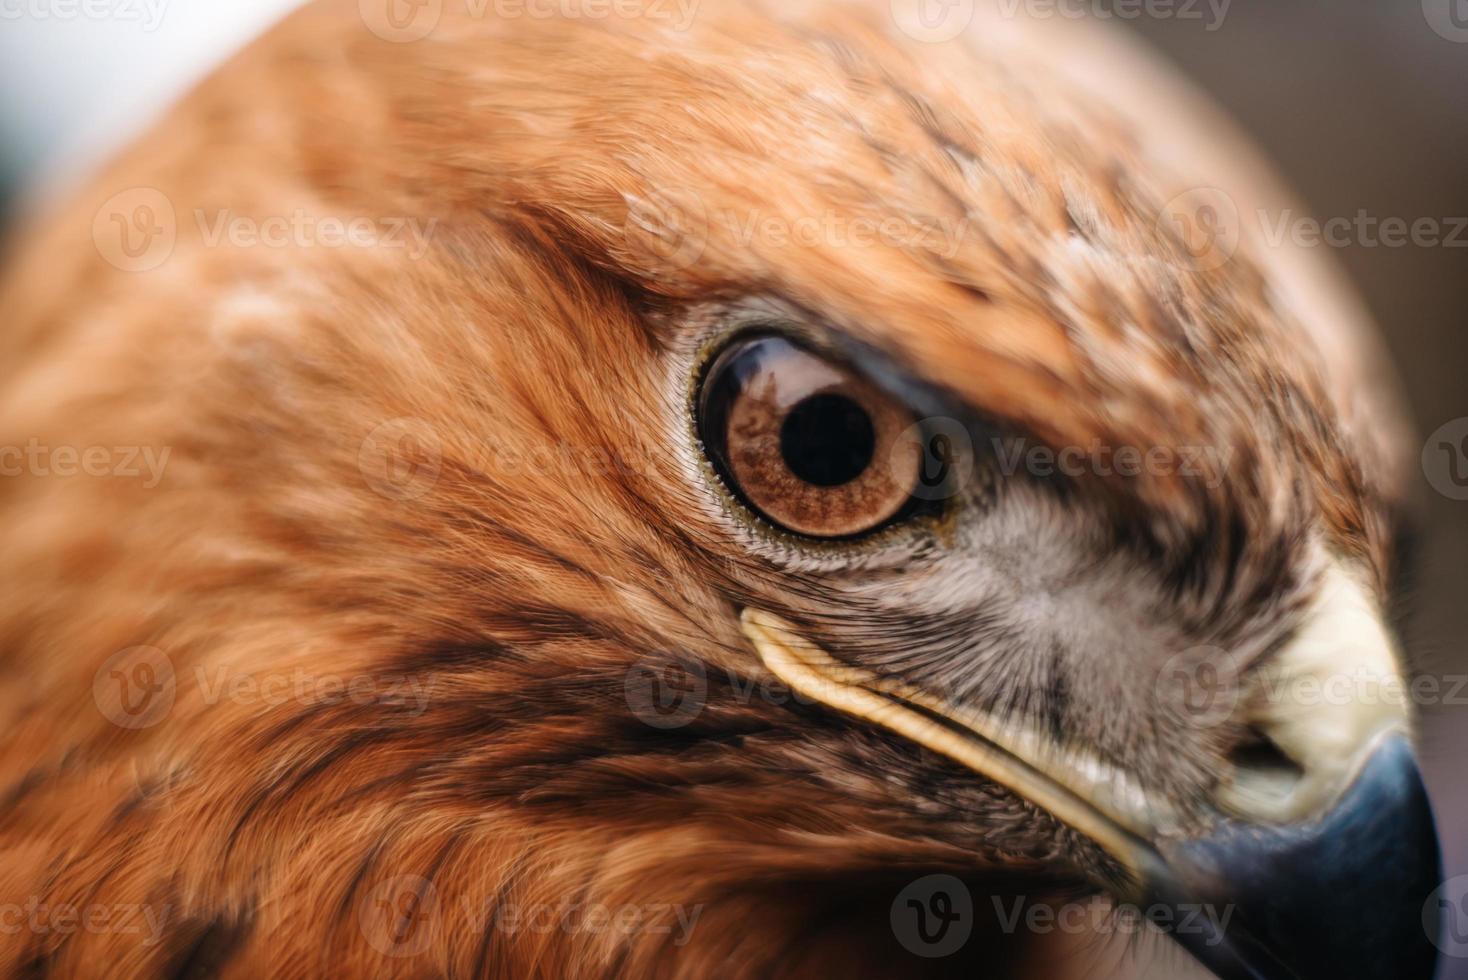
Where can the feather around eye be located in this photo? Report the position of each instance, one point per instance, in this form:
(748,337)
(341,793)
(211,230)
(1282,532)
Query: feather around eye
(807,443)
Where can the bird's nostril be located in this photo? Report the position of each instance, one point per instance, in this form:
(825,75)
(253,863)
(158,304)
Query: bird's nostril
(1262,770)
(1316,711)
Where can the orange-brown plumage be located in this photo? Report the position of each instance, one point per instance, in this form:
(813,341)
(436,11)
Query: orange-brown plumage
(538,533)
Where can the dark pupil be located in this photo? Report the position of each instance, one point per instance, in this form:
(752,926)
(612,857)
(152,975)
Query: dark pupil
(828,440)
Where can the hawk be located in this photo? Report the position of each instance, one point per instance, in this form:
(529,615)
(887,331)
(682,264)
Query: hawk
(513,491)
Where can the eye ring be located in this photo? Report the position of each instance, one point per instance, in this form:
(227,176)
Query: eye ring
(806,442)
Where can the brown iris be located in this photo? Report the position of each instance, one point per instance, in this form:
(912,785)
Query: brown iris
(809,444)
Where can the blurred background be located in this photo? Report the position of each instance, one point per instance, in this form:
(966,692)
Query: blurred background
(1362,104)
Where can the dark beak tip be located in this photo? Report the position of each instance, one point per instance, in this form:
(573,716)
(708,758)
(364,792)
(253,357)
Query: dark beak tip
(1345,896)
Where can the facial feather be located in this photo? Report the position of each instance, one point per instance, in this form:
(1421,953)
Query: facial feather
(533,526)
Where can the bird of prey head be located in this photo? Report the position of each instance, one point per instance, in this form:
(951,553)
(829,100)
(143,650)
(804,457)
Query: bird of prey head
(513,495)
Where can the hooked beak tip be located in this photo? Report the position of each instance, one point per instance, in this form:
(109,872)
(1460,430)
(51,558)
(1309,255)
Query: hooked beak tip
(1342,895)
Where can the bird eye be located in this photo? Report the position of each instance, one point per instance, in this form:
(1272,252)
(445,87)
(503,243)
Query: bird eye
(807,443)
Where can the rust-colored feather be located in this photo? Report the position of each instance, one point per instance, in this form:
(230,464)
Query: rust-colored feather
(449,476)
